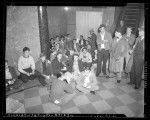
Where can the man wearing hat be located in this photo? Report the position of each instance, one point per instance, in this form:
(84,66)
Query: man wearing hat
(104,40)
(138,60)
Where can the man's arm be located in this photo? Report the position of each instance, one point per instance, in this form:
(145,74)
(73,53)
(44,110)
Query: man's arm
(32,64)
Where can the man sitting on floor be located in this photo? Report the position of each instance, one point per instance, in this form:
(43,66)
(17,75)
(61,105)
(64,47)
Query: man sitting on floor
(11,77)
(26,67)
(60,92)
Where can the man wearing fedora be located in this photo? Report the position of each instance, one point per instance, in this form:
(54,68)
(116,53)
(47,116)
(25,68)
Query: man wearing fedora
(138,60)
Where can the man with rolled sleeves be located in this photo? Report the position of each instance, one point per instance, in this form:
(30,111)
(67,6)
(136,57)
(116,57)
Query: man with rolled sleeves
(104,40)
(138,60)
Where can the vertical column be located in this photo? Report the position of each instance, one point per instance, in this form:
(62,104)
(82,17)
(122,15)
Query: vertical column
(44,33)
(43,30)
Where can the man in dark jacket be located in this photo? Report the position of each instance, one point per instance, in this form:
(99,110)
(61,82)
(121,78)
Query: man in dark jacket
(60,92)
(138,60)
(57,65)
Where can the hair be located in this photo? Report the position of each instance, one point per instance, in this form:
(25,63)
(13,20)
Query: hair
(26,49)
(129,27)
(58,75)
(102,25)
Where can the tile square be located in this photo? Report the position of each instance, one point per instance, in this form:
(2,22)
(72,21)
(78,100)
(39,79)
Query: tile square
(51,108)
(70,104)
(94,98)
(117,91)
(127,89)
(105,94)
(87,109)
(114,102)
(126,99)
(136,108)
(101,87)
(73,110)
(17,96)
(43,91)
(124,110)
(81,100)
(101,106)
(33,92)
(45,99)
(35,109)
(29,102)
(136,96)
(109,85)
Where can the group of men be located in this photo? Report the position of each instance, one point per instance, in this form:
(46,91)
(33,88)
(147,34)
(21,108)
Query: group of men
(75,64)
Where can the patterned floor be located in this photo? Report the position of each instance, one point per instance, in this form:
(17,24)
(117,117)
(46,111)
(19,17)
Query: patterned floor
(112,98)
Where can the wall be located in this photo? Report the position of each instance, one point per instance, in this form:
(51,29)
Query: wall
(108,13)
(22,30)
(57,21)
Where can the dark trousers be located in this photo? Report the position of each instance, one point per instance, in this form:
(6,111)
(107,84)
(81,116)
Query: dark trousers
(136,71)
(102,56)
(37,74)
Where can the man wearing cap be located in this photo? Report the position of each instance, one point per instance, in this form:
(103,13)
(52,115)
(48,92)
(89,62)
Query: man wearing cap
(138,60)
(104,40)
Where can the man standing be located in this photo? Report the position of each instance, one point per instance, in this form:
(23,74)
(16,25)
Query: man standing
(138,60)
(130,38)
(93,43)
(121,27)
(104,40)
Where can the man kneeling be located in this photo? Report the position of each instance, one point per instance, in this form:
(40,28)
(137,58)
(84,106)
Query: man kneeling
(60,92)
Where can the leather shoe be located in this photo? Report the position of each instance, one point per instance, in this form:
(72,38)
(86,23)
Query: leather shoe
(136,87)
(129,83)
(118,81)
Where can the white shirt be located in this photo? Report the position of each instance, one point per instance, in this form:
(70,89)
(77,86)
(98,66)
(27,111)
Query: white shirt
(24,63)
(8,74)
(102,36)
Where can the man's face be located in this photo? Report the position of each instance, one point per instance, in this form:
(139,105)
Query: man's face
(81,37)
(59,56)
(6,65)
(129,30)
(84,51)
(121,23)
(43,58)
(26,53)
(102,29)
(141,33)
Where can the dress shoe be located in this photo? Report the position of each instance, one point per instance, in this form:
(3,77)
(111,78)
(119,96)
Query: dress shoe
(136,87)
(92,92)
(118,81)
(129,83)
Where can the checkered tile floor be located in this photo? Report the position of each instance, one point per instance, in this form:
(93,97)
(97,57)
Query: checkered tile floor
(112,98)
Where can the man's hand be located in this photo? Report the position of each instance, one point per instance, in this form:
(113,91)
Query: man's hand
(28,74)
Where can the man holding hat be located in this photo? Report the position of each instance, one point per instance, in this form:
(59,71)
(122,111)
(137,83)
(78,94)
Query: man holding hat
(138,60)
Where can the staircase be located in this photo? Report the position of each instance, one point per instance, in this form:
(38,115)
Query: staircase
(131,15)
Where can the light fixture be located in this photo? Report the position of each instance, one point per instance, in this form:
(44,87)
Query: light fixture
(66,8)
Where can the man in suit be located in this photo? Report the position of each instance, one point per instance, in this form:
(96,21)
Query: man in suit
(93,43)
(130,38)
(104,40)
(138,60)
